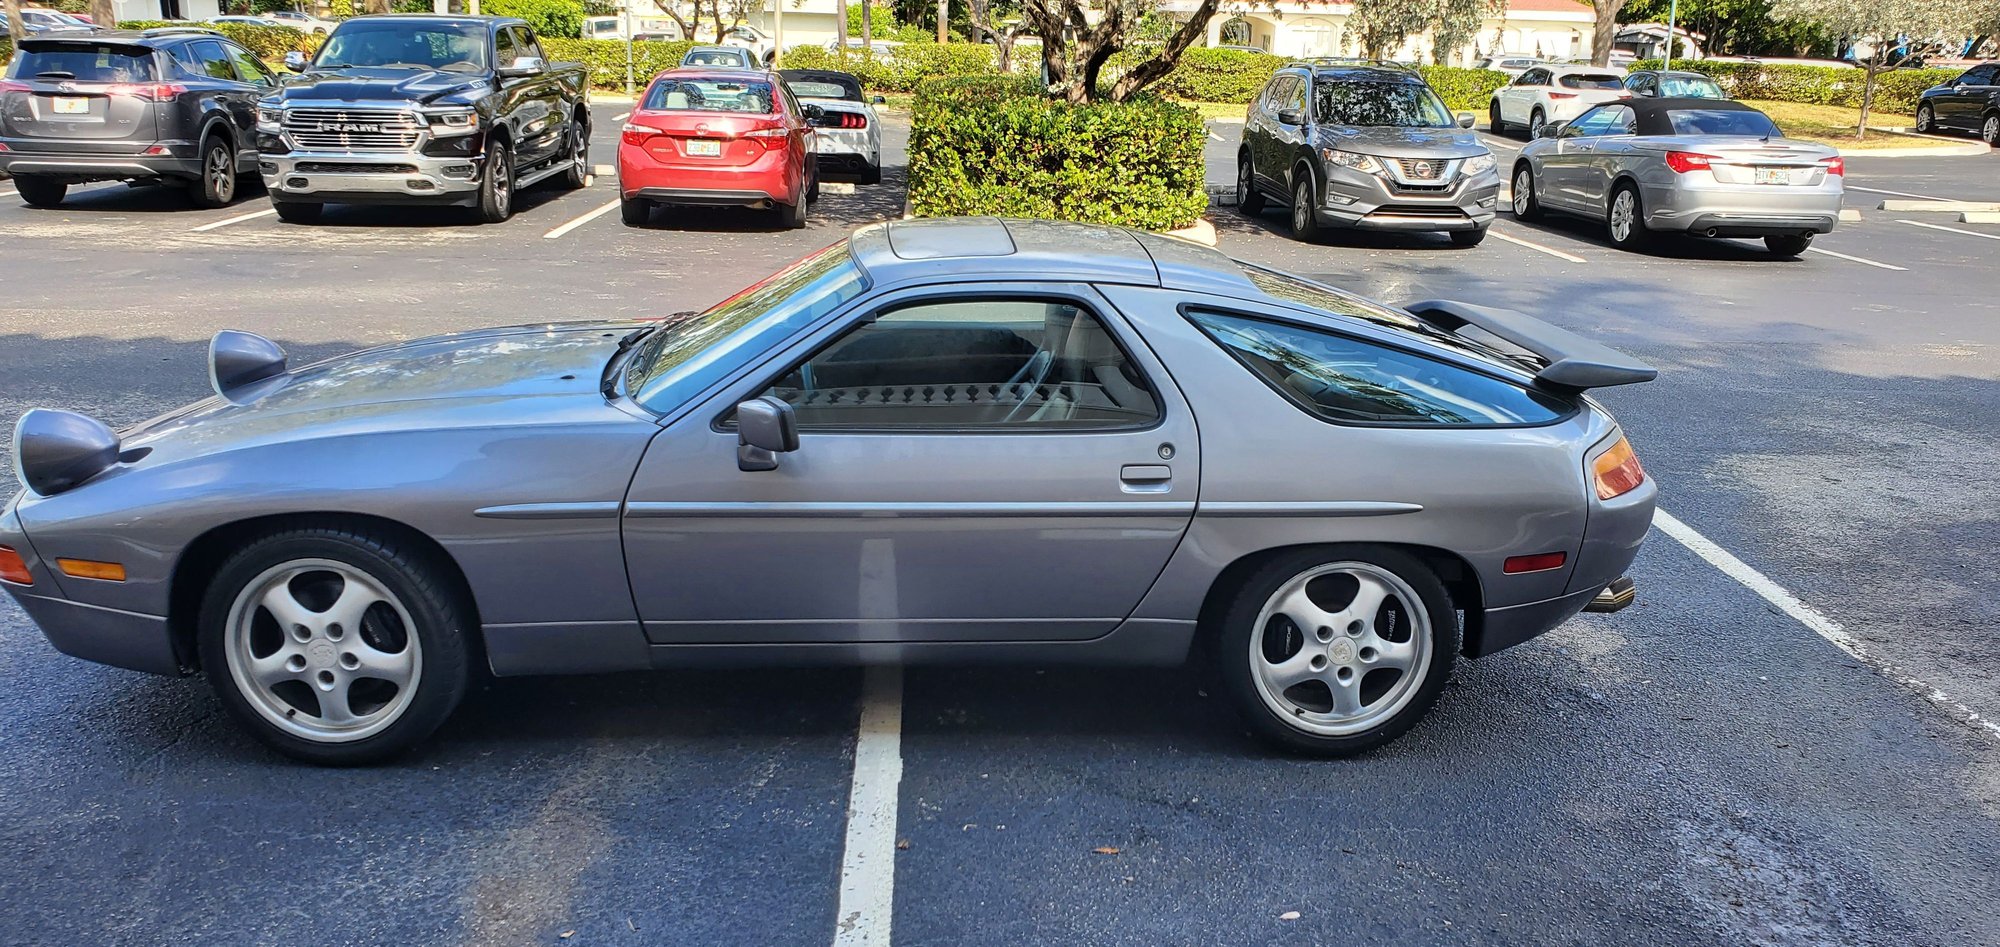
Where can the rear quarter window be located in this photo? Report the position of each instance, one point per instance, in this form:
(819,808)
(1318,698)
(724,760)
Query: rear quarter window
(1346,380)
(85,63)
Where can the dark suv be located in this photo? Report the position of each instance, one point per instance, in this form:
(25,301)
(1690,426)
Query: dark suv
(1969,103)
(174,104)
(1364,146)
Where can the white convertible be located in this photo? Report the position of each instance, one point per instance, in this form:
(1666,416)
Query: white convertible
(848,132)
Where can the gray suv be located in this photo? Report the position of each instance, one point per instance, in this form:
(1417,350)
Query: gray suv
(1364,146)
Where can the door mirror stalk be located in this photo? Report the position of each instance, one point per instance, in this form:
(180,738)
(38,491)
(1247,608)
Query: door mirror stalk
(765,428)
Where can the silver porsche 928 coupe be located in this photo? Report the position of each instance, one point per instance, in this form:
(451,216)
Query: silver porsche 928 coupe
(944,440)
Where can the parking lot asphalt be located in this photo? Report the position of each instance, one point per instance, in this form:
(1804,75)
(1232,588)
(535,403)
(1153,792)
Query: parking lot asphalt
(1703,768)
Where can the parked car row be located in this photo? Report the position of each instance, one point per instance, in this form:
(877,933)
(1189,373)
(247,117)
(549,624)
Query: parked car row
(423,110)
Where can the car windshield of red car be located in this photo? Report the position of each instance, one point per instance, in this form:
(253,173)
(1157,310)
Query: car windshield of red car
(750,97)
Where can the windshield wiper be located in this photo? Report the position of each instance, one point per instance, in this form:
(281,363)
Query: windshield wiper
(608,384)
(55,74)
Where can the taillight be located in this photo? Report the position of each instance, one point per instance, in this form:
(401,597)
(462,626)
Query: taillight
(1835,165)
(13,568)
(151,91)
(1684,161)
(1617,471)
(635,134)
(1562,95)
(843,120)
(775,131)
(10,85)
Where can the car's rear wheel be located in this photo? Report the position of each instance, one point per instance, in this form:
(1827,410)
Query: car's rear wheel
(1305,222)
(496,186)
(1526,205)
(1468,238)
(217,185)
(1248,199)
(336,646)
(1535,122)
(872,174)
(792,216)
(1788,246)
(1493,120)
(1990,129)
(41,192)
(1626,218)
(296,212)
(1926,120)
(577,175)
(1336,650)
(634,212)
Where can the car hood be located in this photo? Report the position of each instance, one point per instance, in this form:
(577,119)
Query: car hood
(491,376)
(1402,142)
(422,86)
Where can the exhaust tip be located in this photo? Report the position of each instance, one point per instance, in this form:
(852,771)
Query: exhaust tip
(1621,592)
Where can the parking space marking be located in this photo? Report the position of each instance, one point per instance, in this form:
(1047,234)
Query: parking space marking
(1493,141)
(580,221)
(1969,233)
(1551,251)
(1812,618)
(1877,190)
(1855,259)
(621,116)
(1215,137)
(8,192)
(868,857)
(266,212)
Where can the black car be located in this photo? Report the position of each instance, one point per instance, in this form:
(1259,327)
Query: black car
(1672,84)
(174,105)
(1969,103)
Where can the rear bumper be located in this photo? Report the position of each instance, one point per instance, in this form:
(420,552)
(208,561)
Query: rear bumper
(81,168)
(1742,210)
(760,183)
(393,178)
(704,197)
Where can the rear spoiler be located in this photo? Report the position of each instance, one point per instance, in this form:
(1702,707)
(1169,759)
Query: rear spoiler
(1575,363)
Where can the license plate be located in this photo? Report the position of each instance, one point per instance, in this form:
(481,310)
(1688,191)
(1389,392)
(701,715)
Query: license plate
(1771,175)
(72,105)
(704,148)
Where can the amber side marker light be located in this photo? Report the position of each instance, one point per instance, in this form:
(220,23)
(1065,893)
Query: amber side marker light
(92,569)
(1618,471)
(12,568)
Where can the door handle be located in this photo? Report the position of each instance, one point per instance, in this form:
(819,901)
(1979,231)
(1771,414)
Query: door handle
(1146,473)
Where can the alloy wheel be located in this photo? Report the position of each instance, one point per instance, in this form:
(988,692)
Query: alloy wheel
(322,651)
(222,174)
(1925,119)
(1991,130)
(1340,648)
(580,147)
(1535,123)
(1623,212)
(1524,192)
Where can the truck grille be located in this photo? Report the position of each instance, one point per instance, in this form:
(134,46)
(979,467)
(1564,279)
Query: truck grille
(353,129)
(353,167)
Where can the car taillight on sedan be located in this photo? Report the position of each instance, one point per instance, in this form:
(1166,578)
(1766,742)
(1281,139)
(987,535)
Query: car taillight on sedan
(636,134)
(1835,165)
(772,136)
(1617,471)
(1684,161)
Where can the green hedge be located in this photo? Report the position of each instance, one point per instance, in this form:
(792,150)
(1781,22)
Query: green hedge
(268,42)
(996,145)
(1210,75)
(6,51)
(912,64)
(1895,91)
(605,58)
(551,19)
(1464,90)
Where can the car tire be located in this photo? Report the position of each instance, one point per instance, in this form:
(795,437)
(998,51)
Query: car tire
(1989,129)
(1249,200)
(812,190)
(634,212)
(1625,218)
(496,186)
(1332,705)
(293,624)
(1526,205)
(872,174)
(217,185)
(1493,122)
(1304,216)
(1535,122)
(293,212)
(792,216)
(1788,246)
(1926,120)
(577,176)
(41,192)
(1468,238)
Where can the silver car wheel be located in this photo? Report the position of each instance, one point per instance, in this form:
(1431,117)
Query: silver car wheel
(222,174)
(1535,123)
(1337,671)
(322,651)
(1302,208)
(1524,191)
(1926,119)
(580,148)
(1991,130)
(1623,212)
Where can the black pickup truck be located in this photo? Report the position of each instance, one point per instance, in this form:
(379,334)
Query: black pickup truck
(413,109)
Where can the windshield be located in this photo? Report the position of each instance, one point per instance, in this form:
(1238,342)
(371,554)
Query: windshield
(1592,80)
(85,63)
(452,46)
(749,97)
(1690,87)
(716,57)
(1394,104)
(1723,122)
(680,359)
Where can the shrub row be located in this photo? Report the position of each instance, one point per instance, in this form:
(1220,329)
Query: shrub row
(6,51)
(605,58)
(996,145)
(1815,85)
(267,42)
(912,64)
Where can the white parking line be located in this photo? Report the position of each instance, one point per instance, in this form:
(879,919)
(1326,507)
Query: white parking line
(204,228)
(1551,251)
(580,221)
(621,116)
(1215,137)
(1969,233)
(868,859)
(1810,617)
(1877,190)
(1855,259)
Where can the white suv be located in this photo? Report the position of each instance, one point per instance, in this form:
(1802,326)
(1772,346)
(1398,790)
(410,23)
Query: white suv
(1547,94)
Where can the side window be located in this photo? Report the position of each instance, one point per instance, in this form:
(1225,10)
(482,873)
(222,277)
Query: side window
(1534,77)
(1979,75)
(1274,100)
(188,62)
(1295,95)
(530,46)
(506,48)
(1348,381)
(214,62)
(1006,363)
(1621,121)
(247,67)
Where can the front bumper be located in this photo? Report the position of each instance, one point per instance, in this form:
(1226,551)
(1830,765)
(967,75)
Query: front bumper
(357,178)
(1362,201)
(24,156)
(91,632)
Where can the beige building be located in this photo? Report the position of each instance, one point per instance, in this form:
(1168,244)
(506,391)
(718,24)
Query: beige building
(1549,28)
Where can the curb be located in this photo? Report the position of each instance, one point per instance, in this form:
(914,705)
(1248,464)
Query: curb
(1949,148)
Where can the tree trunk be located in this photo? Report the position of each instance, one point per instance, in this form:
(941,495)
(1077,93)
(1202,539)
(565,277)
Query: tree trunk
(868,26)
(840,18)
(16,28)
(1156,68)
(944,21)
(1605,32)
(104,13)
(375,6)
(1871,69)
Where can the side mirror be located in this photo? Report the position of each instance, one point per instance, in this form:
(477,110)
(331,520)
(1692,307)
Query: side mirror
(765,428)
(1551,129)
(879,100)
(295,61)
(1465,120)
(523,66)
(1291,117)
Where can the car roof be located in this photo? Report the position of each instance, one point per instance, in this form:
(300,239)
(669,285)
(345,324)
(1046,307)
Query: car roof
(1367,74)
(1041,250)
(712,47)
(1569,70)
(470,19)
(155,38)
(1651,116)
(725,73)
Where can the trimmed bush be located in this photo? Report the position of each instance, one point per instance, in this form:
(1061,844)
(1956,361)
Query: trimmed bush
(269,43)
(1211,75)
(6,51)
(996,145)
(551,19)
(1895,91)
(1464,90)
(605,58)
(912,64)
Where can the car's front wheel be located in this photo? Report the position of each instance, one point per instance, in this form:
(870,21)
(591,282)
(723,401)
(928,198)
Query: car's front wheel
(1248,200)
(1339,649)
(41,192)
(1926,120)
(1990,129)
(1305,219)
(336,646)
(496,186)
(1526,206)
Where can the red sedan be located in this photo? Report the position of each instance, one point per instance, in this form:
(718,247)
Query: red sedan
(717,137)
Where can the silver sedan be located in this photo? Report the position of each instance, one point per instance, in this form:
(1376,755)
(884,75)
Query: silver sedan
(1701,167)
(947,440)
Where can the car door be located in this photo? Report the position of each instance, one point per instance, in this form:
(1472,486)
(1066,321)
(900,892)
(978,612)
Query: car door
(543,122)
(1517,99)
(1288,137)
(219,90)
(1963,103)
(1269,153)
(975,463)
(1564,160)
(1605,148)
(261,80)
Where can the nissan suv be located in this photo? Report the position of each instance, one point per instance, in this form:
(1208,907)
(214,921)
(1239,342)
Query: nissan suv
(1364,146)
